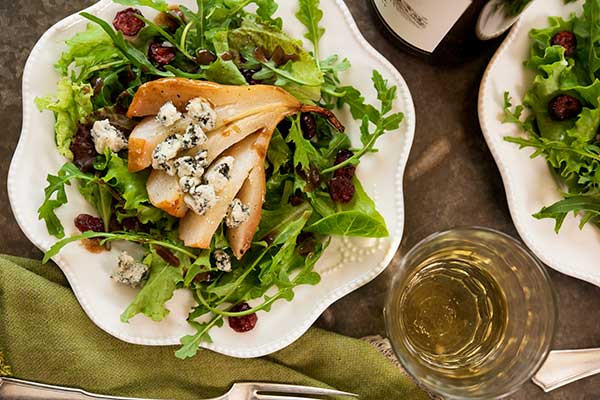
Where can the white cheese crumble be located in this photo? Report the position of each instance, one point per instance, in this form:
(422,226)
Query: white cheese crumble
(203,113)
(220,173)
(201,198)
(191,166)
(222,260)
(188,183)
(106,136)
(237,214)
(128,271)
(164,153)
(168,114)
(193,136)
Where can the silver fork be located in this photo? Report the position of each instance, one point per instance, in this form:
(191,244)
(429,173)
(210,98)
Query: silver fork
(17,389)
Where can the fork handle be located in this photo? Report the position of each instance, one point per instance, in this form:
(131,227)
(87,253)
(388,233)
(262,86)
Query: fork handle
(565,366)
(17,389)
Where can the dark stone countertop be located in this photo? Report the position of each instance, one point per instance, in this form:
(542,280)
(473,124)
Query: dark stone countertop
(451,179)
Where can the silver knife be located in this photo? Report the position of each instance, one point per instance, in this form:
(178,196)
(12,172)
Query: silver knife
(16,389)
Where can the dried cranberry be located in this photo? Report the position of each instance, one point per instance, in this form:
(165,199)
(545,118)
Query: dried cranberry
(245,323)
(248,74)
(308,125)
(228,56)
(127,22)
(86,222)
(269,238)
(348,170)
(279,57)
(168,256)
(284,127)
(306,243)
(341,189)
(566,39)
(204,277)
(161,54)
(564,107)
(205,57)
(83,149)
(296,200)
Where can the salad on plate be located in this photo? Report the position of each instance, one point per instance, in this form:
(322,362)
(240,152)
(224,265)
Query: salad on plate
(561,111)
(209,138)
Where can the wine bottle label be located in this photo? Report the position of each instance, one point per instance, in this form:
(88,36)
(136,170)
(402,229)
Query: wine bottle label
(422,23)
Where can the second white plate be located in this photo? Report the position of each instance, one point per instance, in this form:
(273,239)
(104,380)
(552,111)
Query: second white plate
(528,182)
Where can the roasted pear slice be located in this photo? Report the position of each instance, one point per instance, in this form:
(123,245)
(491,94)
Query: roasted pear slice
(230,102)
(165,193)
(197,230)
(223,138)
(252,195)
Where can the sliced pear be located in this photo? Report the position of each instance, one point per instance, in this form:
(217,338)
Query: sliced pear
(197,230)
(223,138)
(231,102)
(165,193)
(143,139)
(252,194)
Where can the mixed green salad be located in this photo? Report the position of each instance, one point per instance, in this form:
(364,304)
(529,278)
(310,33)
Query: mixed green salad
(563,104)
(233,42)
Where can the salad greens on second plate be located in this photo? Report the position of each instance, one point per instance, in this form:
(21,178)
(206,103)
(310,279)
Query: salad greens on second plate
(564,110)
(221,41)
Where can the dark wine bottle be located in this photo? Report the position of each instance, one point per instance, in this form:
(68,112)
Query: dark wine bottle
(443,31)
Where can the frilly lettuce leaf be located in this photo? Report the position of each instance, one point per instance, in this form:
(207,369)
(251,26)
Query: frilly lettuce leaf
(88,51)
(71,106)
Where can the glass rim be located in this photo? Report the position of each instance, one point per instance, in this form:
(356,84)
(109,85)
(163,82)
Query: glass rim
(545,277)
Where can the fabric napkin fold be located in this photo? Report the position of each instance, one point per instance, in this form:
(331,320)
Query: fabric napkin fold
(46,337)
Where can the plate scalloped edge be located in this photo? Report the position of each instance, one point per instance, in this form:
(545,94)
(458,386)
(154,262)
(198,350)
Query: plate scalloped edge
(333,296)
(507,178)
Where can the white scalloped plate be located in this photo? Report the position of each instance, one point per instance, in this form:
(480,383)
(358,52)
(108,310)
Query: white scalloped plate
(346,265)
(528,182)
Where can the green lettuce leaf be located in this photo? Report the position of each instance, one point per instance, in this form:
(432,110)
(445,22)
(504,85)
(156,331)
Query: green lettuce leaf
(357,218)
(71,106)
(159,289)
(301,78)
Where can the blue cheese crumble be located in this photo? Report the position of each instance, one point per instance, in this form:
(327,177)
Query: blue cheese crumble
(193,136)
(188,183)
(168,114)
(237,214)
(128,271)
(200,199)
(220,173)
(191,166)
(164,153)
(203,113)
(222,260)
(106,136)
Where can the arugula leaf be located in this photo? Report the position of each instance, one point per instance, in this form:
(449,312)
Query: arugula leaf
(305,153)
(56,188)
(589,204)
(279,153)
(71,106)
(136,237)
(190,344)
(134,55)
(382,120)
(159,288)
(159,5)
(309,14)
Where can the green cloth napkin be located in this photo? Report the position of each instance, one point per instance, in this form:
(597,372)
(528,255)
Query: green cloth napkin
(46,337)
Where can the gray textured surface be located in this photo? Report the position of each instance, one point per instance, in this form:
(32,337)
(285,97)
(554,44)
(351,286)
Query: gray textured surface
(451,178)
